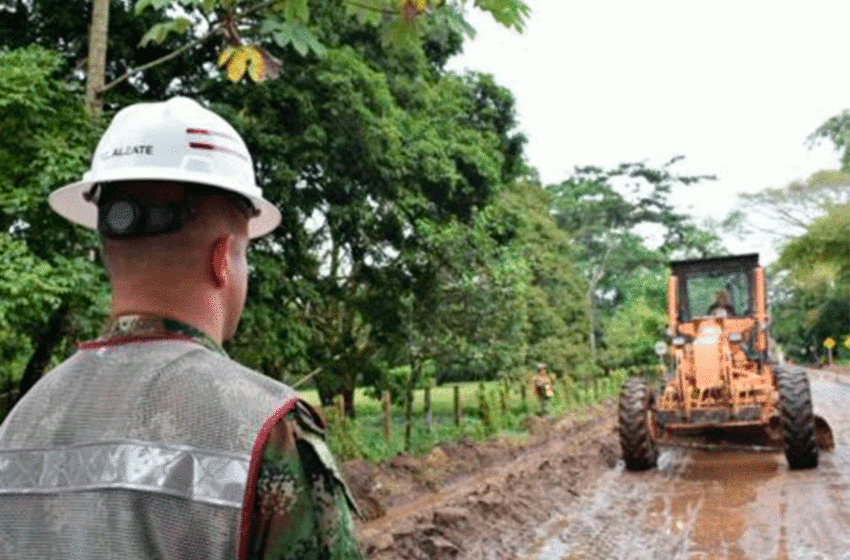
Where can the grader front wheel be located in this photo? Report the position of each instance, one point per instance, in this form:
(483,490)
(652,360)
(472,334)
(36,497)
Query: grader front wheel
(798,419)
(637,433)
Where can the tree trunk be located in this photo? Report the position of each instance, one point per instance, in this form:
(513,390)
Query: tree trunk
(96,75)
(48,340)
(348,401)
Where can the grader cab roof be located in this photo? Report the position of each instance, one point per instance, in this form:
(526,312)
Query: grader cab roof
(715,265)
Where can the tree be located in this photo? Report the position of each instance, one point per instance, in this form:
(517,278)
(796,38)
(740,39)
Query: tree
(811,290)
(558,315)
(835,129)
(826,243)
(362,148)
(632,332)
(44,139)
(607,212)
(791,209)
(241,25)
(370,152)
(96,73)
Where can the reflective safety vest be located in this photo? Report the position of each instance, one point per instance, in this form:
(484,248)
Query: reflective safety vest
(132,449)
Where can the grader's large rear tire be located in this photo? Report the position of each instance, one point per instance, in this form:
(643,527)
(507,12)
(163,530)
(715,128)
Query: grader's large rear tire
(637,434)
(798,420)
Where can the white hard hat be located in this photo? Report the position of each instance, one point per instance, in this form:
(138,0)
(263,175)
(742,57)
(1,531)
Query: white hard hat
(174,140)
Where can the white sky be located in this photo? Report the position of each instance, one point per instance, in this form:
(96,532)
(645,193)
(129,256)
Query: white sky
(735,86)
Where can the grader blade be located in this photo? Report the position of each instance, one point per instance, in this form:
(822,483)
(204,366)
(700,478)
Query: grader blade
(823,434)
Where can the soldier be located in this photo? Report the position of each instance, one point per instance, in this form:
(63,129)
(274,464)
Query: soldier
(150,442)
(543,388)
(721,306)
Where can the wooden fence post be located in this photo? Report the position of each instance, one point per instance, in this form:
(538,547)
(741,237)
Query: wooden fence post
(457,405)
(503,396)
(523,392)
(428,413)
(566,390)
(340,405)
(388,418)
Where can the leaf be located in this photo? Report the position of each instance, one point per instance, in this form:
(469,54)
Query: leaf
(256,64)
(180,25)
(401,33)
(457,23)
(271,65)
(225,55)
(302,39)
(236,66)
(316,46)
(142,4)
(367,12)
(510,13)
(154,34)
(296,10)
(299,39)
(269,25)
(159,32)
(283,35)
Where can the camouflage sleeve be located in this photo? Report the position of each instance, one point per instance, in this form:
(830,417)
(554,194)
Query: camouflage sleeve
(301,508)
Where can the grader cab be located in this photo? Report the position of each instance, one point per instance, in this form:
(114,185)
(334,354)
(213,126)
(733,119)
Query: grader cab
(723,383)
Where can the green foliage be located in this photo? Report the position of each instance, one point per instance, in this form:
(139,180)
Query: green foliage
(632,333)
(836,129)
(159,32)
(605,212)
(555,311)
(364,436)
(810,283)
(45,138)
(811,286)
(826,243)
(342,435)
(401,24)
(792,208)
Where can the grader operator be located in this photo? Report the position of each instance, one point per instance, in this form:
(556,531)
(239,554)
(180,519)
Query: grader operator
(724,380)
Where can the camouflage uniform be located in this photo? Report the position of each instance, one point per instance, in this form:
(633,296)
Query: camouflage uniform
(543,388)
(151,443)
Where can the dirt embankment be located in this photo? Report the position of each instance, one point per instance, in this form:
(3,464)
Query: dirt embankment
(466,501)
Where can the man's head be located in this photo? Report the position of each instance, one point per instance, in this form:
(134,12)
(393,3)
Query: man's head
(721,297)
(172,191)
(202,264)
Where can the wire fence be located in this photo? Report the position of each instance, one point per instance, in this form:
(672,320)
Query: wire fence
(457,411)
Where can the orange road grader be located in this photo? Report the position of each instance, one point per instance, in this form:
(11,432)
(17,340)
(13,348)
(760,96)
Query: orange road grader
(724,389)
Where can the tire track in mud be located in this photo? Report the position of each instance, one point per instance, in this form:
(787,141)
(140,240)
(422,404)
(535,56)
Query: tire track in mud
(495,513)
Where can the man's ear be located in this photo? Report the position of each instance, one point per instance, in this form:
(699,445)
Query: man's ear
(220,265)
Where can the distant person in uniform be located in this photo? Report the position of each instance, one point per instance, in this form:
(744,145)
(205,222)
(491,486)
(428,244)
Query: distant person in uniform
(721,306)
(150,442)
(543,388)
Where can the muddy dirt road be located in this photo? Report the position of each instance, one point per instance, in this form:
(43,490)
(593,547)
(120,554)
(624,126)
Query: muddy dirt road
(701,505)
(564,495)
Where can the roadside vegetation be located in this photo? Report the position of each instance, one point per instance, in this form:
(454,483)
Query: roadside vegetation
(487,409)
(418,247)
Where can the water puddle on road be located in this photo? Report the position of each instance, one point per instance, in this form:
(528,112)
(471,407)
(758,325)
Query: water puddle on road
(695,508)
(720,488)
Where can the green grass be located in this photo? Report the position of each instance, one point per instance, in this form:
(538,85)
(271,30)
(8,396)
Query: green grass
(364,436)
